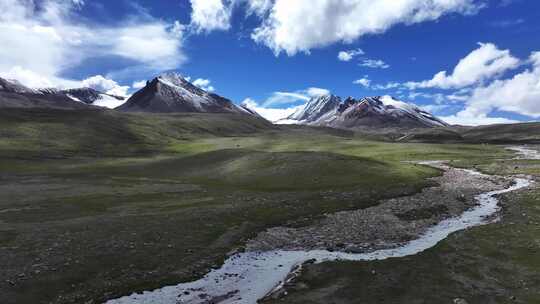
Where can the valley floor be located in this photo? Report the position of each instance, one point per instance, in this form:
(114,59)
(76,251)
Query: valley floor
(83,219)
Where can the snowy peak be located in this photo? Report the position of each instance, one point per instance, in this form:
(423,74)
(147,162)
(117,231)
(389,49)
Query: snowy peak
(315,108)
(379,112)
(13,86)
(170,92)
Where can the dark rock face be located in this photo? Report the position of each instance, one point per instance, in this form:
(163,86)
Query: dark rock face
(170,93)
(379,112)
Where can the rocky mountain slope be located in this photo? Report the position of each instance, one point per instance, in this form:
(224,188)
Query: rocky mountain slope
(170,92)
(92,97)
(380,111)
(15,95)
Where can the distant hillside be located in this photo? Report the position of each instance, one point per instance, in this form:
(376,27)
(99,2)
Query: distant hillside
(58,133)
(504,133)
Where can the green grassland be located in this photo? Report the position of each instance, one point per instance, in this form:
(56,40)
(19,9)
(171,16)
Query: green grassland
(98,204)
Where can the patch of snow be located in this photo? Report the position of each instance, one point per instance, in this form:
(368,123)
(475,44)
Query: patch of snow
(108,101)
(75,98)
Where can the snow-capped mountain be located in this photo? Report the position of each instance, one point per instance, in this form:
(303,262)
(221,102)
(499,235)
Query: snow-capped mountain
(14,94)
(315,108)
(13,86)
(171,92)
(380,111)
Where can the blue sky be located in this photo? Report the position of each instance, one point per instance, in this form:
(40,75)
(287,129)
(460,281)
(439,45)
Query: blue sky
(276,54)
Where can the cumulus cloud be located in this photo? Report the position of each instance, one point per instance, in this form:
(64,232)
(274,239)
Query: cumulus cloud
(204,84)
(64,41)
(271,114)
(313,92)
(484,63)
(364,81)
(476,120)
(350,54)
(258,7)
(519,94)
(139,84)
(34,80)
(210,15)
(388,86)
(299,26)
(105,85)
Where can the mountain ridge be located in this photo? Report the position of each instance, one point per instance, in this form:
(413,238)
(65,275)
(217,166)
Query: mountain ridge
(14,94)
(170,93)
(378,111)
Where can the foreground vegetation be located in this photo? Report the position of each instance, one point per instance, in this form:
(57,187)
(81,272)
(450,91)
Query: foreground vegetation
(97,204)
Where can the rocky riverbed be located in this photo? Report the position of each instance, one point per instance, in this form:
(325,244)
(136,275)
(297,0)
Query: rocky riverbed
(389,224)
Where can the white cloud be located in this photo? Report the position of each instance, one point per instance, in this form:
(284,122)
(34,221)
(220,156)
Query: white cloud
(281,98)
(105,85)
(438,98)
(286,28)
(210,15)
(48,39)
(475,120)
(258,7)
(34,80)
(374,64)
(388,86)
(365,82)
(434,108)
(484,63)
(519,94)
(350,54)
(271,114)
(139,84)
(313,92)
(278,98)
(204,84)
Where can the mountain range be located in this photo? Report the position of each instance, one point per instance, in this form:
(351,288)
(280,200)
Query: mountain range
(13,94)
(376,112)
(171,93)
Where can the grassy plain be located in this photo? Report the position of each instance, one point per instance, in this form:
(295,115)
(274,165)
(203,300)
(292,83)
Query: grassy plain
(98,204)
